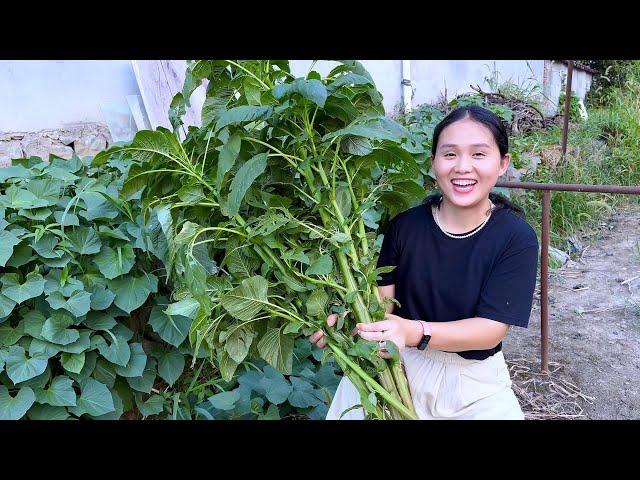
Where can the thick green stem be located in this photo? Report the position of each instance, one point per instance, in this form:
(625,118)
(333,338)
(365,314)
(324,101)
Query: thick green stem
(391,400)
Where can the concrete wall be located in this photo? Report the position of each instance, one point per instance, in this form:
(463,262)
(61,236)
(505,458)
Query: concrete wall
(46,94)
(432,78)
(555,71)
(36,95)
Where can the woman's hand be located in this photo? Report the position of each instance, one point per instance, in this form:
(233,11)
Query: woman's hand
(402,332)
(318,337)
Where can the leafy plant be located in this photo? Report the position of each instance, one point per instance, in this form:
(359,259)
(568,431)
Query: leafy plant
(283,187)
(79,270)
(257,391)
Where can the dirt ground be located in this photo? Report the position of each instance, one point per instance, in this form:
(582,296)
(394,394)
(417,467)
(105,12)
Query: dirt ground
(594,331)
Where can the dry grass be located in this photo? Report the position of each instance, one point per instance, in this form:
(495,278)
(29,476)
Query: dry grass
(546,395)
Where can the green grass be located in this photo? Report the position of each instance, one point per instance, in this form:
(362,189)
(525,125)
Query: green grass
(604,150)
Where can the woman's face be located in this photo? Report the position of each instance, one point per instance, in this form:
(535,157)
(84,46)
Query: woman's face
(467,163)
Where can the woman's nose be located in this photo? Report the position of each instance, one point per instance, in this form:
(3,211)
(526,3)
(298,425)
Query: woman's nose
(463,164)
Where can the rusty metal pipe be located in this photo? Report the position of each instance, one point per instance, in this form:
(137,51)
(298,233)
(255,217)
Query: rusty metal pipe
(572,187)
(567,105)
(544,282)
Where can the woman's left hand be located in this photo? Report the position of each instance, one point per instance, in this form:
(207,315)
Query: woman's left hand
(402,332)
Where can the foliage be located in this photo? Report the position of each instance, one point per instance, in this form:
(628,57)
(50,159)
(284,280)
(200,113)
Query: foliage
(272,208)
(79,272)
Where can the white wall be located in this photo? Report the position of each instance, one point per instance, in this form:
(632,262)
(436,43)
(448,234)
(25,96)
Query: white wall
(39,94)
(35,95)
(580,84)
(431,78)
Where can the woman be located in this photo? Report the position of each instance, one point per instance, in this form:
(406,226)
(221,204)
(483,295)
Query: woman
(465,271)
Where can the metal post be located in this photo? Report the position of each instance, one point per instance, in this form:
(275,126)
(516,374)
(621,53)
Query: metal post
(544,282)
(567,104)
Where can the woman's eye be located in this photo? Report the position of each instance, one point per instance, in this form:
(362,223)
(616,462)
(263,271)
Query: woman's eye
(449,154)
(479,154)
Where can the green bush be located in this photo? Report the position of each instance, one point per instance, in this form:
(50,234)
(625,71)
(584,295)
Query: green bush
(81,332)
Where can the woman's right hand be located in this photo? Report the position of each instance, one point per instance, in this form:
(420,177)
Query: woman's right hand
(318,337)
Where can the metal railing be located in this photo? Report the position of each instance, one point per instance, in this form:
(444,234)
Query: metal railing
(547,188)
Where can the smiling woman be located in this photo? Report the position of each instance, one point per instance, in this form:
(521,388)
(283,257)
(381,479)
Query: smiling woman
(465,270)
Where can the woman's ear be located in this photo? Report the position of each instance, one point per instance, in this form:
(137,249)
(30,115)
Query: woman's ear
(504,164)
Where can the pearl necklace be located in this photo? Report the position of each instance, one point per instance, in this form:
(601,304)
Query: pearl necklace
(476,230)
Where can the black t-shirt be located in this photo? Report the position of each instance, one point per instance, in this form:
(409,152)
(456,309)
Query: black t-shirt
(490,274)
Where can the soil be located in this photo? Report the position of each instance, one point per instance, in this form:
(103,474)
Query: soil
(594,331)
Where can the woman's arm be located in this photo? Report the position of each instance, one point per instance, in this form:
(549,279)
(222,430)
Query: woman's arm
(475,333)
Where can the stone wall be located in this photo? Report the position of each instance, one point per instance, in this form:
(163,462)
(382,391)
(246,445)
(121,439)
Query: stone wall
(86,139)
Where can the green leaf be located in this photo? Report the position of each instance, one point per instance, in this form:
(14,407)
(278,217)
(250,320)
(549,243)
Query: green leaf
(136,364)
(18,198)
(80,345)
(243,179)
(66,220)
(132,292)
(170,366)
(228,155)
(186,307)
(77,304)
(35,214)
(153,406)
(317,302)
(101,298)
(13,289)
(117,351)
(22,254)
(172,330)
(105,372)
(6,306)
(95,399)
(322,266)
(7,241)
(241,114)
(84,241)
(55,330)
(14,408)
(252,91)
(44,348)
(88,368)
(72,362)
(237,344)
(46,247)
(144,383)
(33,322)
(246,300)
(277,349)
(10,335)
(100,321)
(20,368)
(224,400)
(39,381)
(313,90)
(277,388)
(272,413)
(47,412)
(59,394)
(303,395)
(115,262)
(227,366)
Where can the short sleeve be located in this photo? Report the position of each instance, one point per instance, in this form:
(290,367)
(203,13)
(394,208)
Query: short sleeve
(507,296)
(388,254)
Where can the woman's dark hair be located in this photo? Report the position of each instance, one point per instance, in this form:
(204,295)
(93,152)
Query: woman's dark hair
(500,135)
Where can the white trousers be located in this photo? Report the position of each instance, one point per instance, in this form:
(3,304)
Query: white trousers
(445,386)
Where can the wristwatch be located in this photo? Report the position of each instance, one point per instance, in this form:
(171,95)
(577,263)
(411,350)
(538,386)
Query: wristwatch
(426,335)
